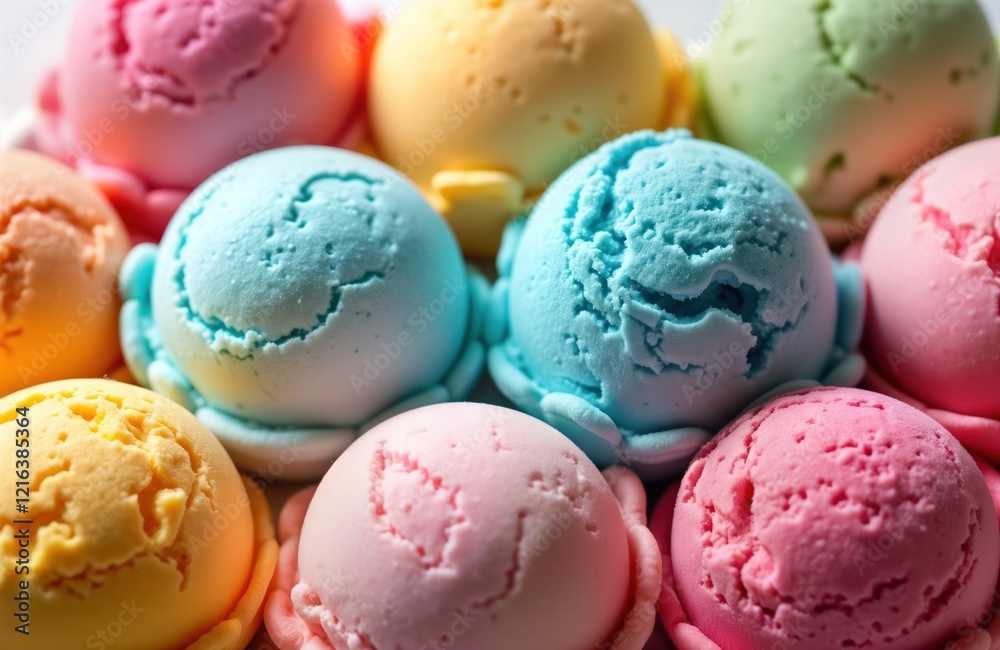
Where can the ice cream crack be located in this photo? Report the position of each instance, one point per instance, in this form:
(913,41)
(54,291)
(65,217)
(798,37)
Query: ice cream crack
(969,242)
(241,342)
(89,228)
(607,234)
(571,487)
(414,506)
(836,50)
(146,492)
(567,486)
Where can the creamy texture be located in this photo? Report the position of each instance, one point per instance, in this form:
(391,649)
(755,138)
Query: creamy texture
(834,518)
(183,54)
(841,97)
(933,265)
(287,280)
(669,282)
(61,245)
(135,505)
(521,87)
(178,90)
(499,534)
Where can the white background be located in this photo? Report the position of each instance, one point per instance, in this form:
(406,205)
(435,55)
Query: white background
(19,71)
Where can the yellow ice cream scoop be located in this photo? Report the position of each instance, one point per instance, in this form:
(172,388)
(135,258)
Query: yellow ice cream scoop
(124,524)
(483,103)
(61,246)
(681,110)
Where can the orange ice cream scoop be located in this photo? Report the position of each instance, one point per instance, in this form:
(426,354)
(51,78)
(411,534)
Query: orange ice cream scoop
(142,534)
(61,245)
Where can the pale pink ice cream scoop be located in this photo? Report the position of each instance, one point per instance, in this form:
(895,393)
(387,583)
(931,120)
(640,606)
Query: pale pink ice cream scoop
(830,518)
(154,96)
(932,261)
(469,527)
(933,265)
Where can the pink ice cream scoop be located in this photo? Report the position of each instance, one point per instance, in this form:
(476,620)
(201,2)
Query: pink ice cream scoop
(153,96)
(932,260)
(830,518)
(465,526)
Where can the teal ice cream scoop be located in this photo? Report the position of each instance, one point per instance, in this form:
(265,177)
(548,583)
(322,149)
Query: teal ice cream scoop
(661,286)
(298,297)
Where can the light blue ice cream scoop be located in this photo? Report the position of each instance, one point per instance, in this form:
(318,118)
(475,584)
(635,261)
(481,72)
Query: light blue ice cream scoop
(298,297)
(661,286)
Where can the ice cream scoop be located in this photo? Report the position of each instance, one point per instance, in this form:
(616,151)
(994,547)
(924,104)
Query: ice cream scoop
(61,246)
(841,98)
(155,96)
(932,260)
(483,104)
(830,518)
(137,532)
(499,533)
(662,285)
(299,295)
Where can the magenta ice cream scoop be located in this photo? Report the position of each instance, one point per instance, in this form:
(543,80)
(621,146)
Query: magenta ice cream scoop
(830,518)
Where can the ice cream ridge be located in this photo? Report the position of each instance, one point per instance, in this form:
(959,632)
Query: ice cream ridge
(61,247)
(299,296)
(831,518)
(826,93)
(499,533)
(141,535)
(662,285)
(484,104)
(933,264)
(154,96)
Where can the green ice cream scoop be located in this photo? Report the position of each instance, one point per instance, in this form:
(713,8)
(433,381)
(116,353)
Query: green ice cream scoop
(842,96)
